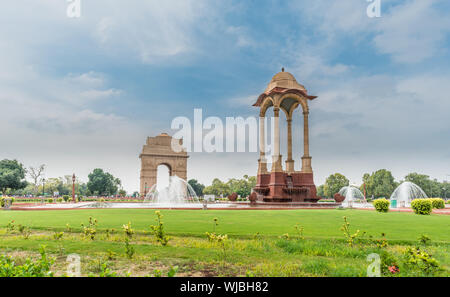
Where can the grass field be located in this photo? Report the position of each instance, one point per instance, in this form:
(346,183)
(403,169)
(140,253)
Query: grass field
(257,243)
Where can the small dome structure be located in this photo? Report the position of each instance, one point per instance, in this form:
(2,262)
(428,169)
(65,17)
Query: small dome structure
(284,80)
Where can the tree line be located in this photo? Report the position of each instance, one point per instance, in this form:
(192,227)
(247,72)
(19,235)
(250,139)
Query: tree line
(13,182)
(381,183)
(243,187)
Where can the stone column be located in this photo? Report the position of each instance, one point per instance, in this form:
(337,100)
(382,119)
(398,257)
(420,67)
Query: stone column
(262,162)
(289,161)
(306,159)
(276,159)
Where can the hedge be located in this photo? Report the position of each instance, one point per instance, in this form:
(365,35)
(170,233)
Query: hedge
(381,205)
(422,206)
(437,203)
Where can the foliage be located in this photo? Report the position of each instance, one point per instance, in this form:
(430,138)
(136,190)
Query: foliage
(299,230)
(128,230)
(424,239)
(172,271)
(422,206)
(334,183)
(381,205)
(12,175)
(58,235)
(420,261)
(129,249)
(90,230)
(347,233)
(37,268)
(24,230)
(432,188)
(103,183)
(10,226)
(220,240)
(36,174)
(389,263)
(380,183)
(198,187)
(437,203)
(158,230)
(321,192)
(242,187)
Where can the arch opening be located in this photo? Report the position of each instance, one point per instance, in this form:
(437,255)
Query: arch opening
(163,176)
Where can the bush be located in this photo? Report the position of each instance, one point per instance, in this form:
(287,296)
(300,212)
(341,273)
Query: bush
(422,206)
(437,203)
(381,205)
(66,197)
(60,200)
(50,200)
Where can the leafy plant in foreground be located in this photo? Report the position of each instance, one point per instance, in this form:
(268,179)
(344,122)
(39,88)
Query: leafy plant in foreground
(158,230)
(37,268)
(90,230)
(348,235)
(128,230)
(420,261)
(129,249)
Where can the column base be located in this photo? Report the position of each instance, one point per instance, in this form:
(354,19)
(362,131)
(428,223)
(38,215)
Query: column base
(290,166)
(306,164)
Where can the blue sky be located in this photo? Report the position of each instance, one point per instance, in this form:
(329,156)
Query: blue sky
(81,93)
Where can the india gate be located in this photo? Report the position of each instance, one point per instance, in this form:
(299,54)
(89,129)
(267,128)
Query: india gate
(284,94)
(158,151)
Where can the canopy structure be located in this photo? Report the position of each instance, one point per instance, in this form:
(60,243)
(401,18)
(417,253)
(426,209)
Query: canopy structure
(284,185)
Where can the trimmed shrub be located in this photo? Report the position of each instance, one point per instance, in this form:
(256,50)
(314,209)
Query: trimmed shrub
(422,206)
(66,197)
(437,203)
(60,200)
(381,205)
(50,200)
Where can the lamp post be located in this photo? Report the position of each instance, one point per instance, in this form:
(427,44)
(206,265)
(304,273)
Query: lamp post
(73,188)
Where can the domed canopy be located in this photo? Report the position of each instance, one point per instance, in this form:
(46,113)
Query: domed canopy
(284,80)
(283,83)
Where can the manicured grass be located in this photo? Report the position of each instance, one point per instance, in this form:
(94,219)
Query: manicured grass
(243,223)
(322,252)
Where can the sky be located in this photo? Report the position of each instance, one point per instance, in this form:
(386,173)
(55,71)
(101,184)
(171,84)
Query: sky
(84,93)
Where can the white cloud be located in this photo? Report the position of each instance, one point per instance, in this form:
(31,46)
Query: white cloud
(412,31)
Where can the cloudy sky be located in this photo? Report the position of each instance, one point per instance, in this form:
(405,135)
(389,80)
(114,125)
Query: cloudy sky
(81,93)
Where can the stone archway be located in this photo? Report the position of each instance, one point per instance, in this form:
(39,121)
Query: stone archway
(158,151)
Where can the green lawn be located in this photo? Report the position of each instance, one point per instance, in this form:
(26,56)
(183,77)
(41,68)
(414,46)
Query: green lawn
(316,223)
(322,252)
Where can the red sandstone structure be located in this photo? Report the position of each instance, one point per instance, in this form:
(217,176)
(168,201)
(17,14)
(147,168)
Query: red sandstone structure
(286,94)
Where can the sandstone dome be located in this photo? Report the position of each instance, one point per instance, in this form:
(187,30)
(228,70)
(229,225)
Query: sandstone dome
(284,80)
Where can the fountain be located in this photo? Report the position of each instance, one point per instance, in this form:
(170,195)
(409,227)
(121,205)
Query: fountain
(353,197)
(178,192)
(407,192)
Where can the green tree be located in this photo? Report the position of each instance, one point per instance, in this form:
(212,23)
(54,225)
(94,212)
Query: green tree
(433,188)
(12,175)
(243,187)
(103,183)
(380,183)
(217,188)
(198,187)
(334,183)
(320,191)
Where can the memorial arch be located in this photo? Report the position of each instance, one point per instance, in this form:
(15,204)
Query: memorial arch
(158,151)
